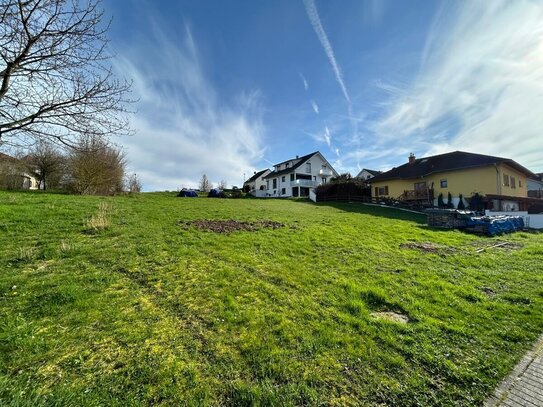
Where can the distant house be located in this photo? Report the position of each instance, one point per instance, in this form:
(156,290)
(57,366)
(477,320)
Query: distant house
(297,176)
(366,174)
(15,174)
(256,185)
(501,182)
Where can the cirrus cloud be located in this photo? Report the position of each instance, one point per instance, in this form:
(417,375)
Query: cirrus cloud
(480,84)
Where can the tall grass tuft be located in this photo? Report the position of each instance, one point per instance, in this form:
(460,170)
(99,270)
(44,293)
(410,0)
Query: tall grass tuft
(101,220)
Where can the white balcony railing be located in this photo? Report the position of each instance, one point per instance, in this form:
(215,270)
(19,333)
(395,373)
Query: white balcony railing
(326,173)
(304,183)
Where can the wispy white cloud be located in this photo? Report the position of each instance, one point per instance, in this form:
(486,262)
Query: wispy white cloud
(480,85)
(323,138)
(315,21)
(304,81)
(327,136)
(315,107)
(183,127)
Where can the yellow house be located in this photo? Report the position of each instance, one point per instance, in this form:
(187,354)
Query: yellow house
(501,182)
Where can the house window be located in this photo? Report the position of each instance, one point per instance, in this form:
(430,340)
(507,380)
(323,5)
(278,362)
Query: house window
(323,180)
(283,191)
(381,190)
(267,184)
(505,180)
(443,183)
(274,183)
(513,182)
(314,178)
(519,184)
(287,165)
(283,178)
(292,177)
(308,168)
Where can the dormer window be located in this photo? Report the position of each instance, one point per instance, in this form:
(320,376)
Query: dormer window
(287,165)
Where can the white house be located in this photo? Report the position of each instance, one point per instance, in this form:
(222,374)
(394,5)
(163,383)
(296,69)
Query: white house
(15,174)
(256,185)
(366,174)
(297,176)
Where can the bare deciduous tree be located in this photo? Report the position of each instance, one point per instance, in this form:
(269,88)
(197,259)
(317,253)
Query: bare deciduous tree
(96,167)
(222,184)
(204,185)
(55,79)
(133,184)
(46,162)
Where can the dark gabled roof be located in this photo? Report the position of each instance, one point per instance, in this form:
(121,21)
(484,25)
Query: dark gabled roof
(372,172)
(256,175)
(5,157)
(289,169)
(456,160)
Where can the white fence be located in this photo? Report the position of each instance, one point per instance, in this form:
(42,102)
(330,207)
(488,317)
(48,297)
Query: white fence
(532,221)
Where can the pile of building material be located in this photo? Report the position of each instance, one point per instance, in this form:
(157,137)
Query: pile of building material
(468,221)
(448,218)
(494,225)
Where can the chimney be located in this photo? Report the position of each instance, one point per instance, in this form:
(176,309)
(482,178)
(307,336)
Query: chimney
(297,156)
(412,158)
(254,173)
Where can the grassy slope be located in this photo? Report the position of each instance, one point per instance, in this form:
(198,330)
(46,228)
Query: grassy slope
(148,312)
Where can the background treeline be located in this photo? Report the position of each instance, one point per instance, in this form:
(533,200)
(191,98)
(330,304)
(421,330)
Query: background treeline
(92,166)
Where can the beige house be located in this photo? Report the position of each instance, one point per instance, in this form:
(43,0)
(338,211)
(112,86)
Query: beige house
(15,174)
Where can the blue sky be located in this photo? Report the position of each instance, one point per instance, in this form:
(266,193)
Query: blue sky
(227,88)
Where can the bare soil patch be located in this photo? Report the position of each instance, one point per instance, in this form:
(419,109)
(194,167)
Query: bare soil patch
(490,293)
(391,316)
(427,247)
(228,226)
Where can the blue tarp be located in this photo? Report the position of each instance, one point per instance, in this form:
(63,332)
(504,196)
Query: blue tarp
(495,225)
(188,193)
(216,193)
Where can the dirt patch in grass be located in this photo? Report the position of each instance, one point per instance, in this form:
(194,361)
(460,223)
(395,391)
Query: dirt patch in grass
(427,247)
(391,316)
(489,292)
(228,226)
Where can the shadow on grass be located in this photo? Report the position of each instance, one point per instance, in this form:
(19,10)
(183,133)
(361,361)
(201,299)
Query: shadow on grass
(356,207)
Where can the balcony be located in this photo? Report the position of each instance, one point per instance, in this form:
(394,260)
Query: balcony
(304,183)
(417,195)
(326,173)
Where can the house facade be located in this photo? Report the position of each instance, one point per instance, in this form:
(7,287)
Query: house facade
(15,174)
(256,185)
(502,182)
(535,186)
(298,176)
(366,174)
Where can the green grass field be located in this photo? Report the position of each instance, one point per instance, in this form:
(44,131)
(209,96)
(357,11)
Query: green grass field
(122,301)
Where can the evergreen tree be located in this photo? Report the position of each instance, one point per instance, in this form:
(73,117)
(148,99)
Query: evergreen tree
(449,201)
(461,205)
(440,202)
